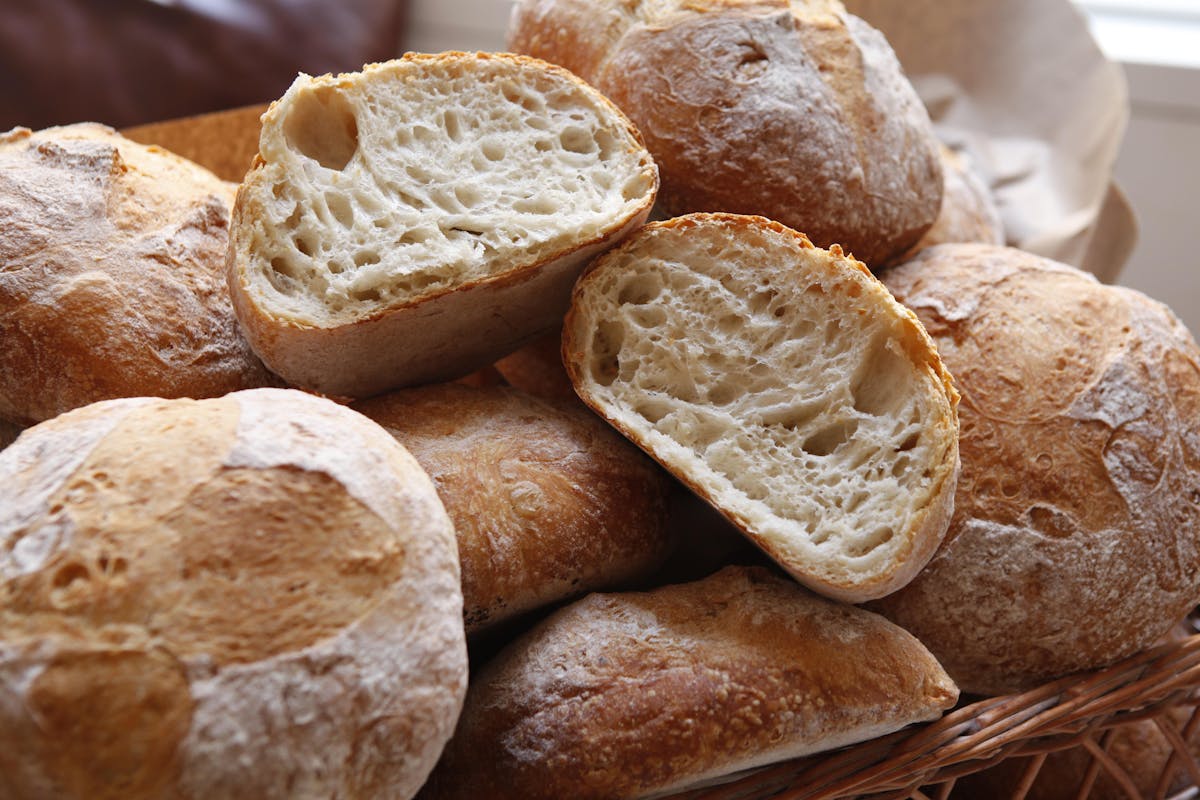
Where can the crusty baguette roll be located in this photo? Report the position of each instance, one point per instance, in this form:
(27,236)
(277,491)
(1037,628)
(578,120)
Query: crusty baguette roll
(782,383)
(547,501)
(250,597)
(641,694)
(419,219)
(112,283)
(1075,539)
(792,109)
(968,213)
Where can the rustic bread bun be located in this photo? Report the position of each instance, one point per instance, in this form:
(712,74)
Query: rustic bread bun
(249,597)
(969,214)
(111,275)
(419,219)
(537,368)
(1076,532)
(792,109)
(547,501)
(783,384)
(640,694)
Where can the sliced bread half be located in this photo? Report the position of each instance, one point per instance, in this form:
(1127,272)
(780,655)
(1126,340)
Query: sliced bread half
(784,384)
(418,219)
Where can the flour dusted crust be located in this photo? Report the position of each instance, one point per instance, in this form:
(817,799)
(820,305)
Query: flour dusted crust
(547,501)
(1075,539)
(783,384)
(797,111)
(419,219)
(255,596)
(111,275)
(639,694)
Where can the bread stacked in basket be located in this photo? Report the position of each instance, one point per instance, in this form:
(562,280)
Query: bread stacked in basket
(976,469)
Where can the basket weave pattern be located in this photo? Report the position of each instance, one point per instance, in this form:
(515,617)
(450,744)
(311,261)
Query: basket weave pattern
(1076,711)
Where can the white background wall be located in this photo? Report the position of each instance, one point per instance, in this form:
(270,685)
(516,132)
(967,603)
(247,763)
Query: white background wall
(1159,163)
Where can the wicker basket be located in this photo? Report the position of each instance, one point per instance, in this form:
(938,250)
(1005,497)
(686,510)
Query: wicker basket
(1079,711)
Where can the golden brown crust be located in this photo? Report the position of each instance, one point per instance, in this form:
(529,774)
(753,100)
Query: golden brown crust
(1076,534)
(111,275)
(627,695)
(547,501)
(968,214)
(795,111)
(185,585)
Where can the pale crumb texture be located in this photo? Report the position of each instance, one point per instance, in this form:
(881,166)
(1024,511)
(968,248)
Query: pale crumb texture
(416,176)
(181,617)
(1075,539)
(640,694)
(784,384)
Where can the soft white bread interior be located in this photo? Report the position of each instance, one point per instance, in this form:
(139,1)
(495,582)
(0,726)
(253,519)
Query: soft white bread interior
(784,384)
(647,694)
(421,218)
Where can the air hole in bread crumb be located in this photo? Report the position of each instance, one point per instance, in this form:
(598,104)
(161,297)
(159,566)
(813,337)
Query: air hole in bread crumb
(469,196)
(282,266)
(321,126)
(452,125)
(303,245)
(535,205)
(910,442)
(368,294)
(577,140)
(878,538)
(829,438)
(365,258)
(341,209)
(639,289)
(725,392)
(881,382)
(492,151)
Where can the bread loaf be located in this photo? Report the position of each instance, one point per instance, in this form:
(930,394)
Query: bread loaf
(783,384)
(250,597)
(419,219)
(643,694)
(547,501)
(792,109)
(1075,539)
(111,275)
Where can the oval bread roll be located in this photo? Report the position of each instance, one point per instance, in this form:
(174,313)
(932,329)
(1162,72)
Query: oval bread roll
(792,109)
(249,597)
(112,284)
(782,383)
(641,694)
(1075,539)
(419,219)
(547,501)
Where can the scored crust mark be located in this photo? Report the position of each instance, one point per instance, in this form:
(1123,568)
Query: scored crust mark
(781,381)
(443,199)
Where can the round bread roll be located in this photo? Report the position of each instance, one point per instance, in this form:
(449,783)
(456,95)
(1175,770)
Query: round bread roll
(112,259)
(1075,539)
(645,694)
(419,219)
(250,597)
(547,501)
(969,214)
(791,109)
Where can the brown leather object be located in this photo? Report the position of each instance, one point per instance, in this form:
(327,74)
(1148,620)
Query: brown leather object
(126,62)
